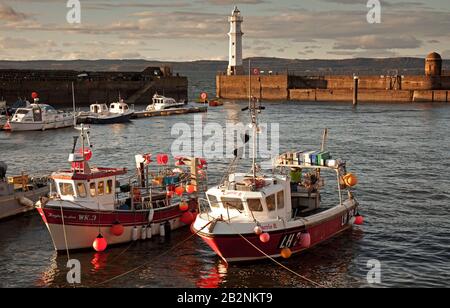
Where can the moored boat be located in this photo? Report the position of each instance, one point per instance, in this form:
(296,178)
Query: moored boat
(160,103)
(3,114)
(97,206)
(118,112)
(252,216)
(39,117)
(19,193)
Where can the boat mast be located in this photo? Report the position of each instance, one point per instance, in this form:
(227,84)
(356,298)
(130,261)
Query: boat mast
(254,115)
(73,102)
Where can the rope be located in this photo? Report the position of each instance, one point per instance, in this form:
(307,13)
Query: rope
(278,263)
(148,262)
(65,236)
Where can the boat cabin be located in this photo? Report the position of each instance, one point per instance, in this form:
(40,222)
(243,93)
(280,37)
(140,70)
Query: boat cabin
(269,200)
(33,113)
(99,108)
(119,107)
(94,190)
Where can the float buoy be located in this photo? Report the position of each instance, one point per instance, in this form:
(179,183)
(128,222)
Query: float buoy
(359,220)
(264,237)
(117,229)
(350,179)
(99,243)
(184,206)
(134,234)
(187,218)
(258,230)
(305,240)
(286,253)
(190,189)
(179,190)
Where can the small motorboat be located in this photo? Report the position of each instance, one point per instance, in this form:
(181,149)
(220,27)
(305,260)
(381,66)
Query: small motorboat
(39,117)
(19,193)
(118,112)
(253,216)
(160,103)
(94,207)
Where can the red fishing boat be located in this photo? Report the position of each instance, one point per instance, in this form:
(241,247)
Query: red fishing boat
(252,216)
(91,208)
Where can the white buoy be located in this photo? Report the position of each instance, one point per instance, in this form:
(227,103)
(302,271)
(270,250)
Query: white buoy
(144,233)
(162,229)
(150,231)
(134,234)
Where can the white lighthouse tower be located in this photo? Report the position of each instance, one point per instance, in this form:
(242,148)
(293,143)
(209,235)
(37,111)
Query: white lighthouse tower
(235,57)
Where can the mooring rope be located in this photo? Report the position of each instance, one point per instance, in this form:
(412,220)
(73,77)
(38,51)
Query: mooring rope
(148,262)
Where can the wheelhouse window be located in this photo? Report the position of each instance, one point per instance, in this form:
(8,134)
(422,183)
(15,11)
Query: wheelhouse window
(81,189)
(213,202)
(101,188)
(280,200)
(109,187)
(270,201)
(233,203)
(66,189)
(92,190)
(255,205)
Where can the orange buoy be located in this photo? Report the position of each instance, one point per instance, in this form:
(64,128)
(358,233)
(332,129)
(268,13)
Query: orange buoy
(184,206)
(350,179)
(286,253)
(190,189)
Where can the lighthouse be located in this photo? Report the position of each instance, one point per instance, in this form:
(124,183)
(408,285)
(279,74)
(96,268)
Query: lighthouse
(235,56)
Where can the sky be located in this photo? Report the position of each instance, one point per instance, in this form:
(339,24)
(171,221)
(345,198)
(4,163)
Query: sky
(185,30)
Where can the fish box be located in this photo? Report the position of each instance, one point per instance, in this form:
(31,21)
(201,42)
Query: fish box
(307,157)
(314,158)
(322,158)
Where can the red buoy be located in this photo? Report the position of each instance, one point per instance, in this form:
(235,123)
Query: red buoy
(305,240)
(100,243)
(179,190)
(265,237)
(187,218)
(34,95)
(359,220)
(117,229)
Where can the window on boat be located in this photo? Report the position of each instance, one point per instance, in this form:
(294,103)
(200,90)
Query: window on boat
(22,111)
(233,203)
(109,187)
(66,189)
(270,201)
(81,190)
(255,205)
(280,200)
(92,189)
(213,201)
(101,188)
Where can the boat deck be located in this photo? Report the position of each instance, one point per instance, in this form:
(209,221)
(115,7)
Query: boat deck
(168,112)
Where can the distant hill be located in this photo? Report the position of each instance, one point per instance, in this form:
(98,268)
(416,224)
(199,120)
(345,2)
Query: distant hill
(361,66)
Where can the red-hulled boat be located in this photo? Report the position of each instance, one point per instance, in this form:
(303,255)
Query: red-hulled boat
(252,216)
(91,208)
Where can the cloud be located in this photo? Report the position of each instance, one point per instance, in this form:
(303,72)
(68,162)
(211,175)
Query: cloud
(232,2)
(7,13)
(110,5)
(378,42)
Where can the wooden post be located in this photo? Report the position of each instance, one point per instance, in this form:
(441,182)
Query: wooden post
(355,90)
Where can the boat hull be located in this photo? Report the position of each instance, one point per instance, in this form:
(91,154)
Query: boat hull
(81,226)
(116,119)
(232,247)
(39,126)
(13,205)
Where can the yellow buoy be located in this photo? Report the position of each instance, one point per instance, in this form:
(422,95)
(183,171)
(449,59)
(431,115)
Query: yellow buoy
(286,253)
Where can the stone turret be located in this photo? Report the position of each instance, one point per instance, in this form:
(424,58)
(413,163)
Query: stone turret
(433,65)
